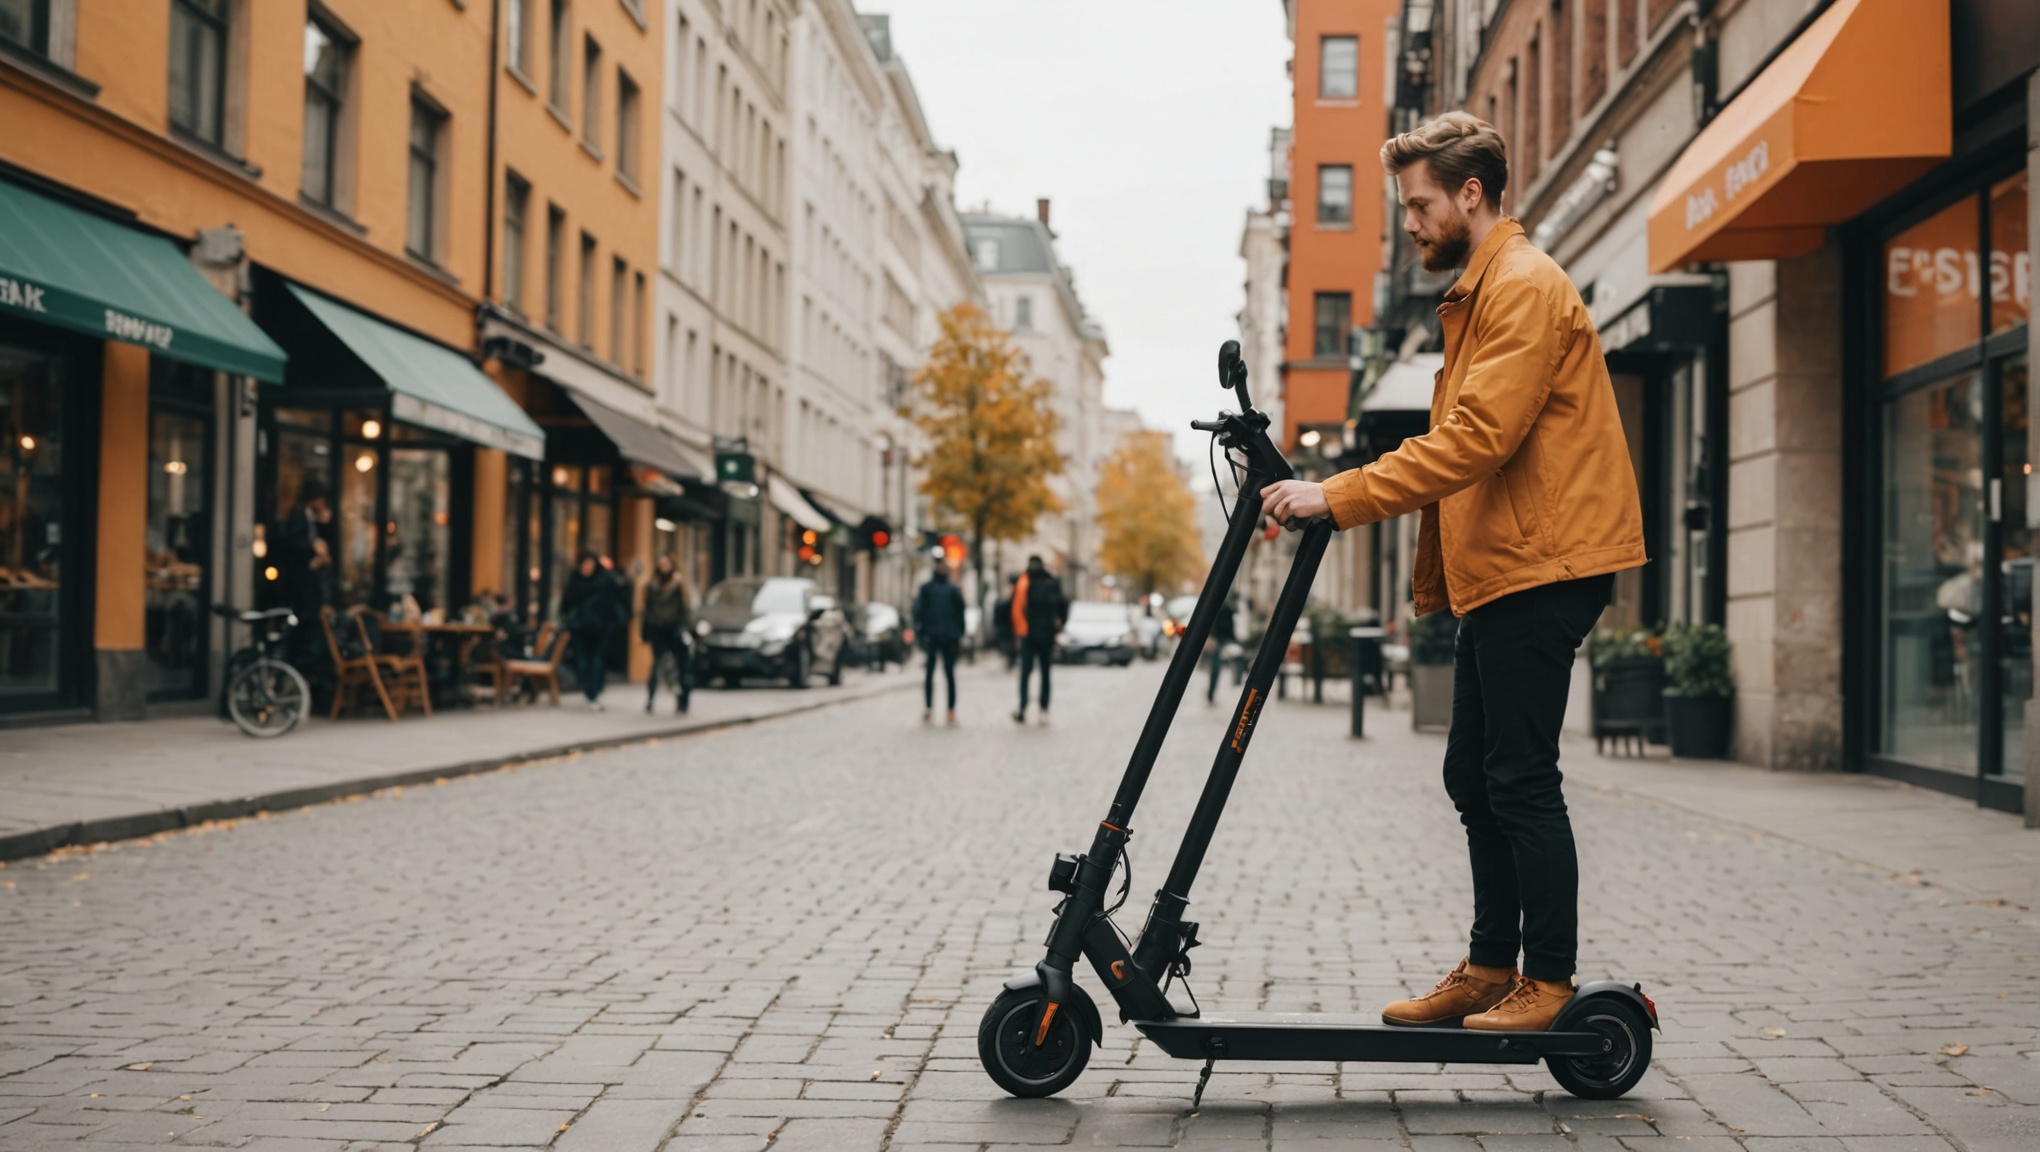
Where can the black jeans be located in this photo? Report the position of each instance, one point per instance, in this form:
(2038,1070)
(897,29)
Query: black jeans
(944,651)
(1034,652)
(683,673)
(1511,672)
(590,669)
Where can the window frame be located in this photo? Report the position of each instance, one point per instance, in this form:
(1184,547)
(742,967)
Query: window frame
(1323,219)
(339,122)
(591,94)
(560,83)
(1317,320)
(39,19)
(1324,73)
(427,111)
(629,125)
(516,229)
(585,323)
(517,30)
(619,286)
(555,264)
(220,25)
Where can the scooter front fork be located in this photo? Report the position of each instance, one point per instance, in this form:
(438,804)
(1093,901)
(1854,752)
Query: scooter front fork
(1082,929)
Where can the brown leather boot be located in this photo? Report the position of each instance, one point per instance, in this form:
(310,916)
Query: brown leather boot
(1469,988)
(1530,1006)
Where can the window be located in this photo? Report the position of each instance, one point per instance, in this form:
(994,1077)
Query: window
(516,202)
(427,125)
(591,94)
(681,89)
(555,256)
(27,23)
(619,279)
(1334,316)
(1023,314)
(626,126)
(326,59)
(586,323)
(518,18)
(198,68)
(986,253)
(1338,67)
(676,254)
(1335,194)
(637,324)
(557,88)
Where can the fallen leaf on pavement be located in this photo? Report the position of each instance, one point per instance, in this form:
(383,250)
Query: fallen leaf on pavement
(142,1067)
(81,876)
(1774,1033)
(1981,1092)
(874,1073)
(564,1127)
(1637,1116)
(1954,1049)
(324,1107)
(428,1129)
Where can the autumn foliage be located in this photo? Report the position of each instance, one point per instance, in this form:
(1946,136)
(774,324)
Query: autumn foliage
(991,433)
(1147,517)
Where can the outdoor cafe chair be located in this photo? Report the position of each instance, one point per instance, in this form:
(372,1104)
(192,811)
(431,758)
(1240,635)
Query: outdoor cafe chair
(543,667)
(353,672)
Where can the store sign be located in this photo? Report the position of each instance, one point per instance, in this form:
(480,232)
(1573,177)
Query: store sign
(1937,278)
(135,330)
(21,294)
(1740,176)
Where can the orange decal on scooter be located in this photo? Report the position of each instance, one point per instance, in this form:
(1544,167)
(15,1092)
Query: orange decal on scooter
(1119,969)
(1239,736)
(1041,1033)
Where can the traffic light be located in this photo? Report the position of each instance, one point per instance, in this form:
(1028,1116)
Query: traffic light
(874,534)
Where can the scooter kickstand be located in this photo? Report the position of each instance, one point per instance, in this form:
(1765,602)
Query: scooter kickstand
(1212,1054)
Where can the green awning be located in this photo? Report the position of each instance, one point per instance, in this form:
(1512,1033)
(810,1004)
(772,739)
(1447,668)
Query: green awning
(431,385)
(75,270)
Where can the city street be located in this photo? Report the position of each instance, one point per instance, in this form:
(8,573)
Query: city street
(783,936)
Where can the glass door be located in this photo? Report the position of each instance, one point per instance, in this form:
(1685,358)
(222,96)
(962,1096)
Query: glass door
(33,593)
(179,552)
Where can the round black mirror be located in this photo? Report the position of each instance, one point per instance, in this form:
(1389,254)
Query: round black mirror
(1228,363)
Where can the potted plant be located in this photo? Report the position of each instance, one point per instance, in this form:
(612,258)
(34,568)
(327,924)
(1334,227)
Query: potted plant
(1431,641)
(1699,691)
(1629,681)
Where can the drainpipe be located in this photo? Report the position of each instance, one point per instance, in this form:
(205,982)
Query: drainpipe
(489,196)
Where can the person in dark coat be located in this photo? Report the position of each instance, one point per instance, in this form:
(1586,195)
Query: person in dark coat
(939,624)
(304,565)
(1224,631)
(666,625)
(1039,610)
(592,610)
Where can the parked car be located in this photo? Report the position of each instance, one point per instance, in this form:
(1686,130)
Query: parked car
(1096,632)
(878,634)
(1147,633)
(778,627)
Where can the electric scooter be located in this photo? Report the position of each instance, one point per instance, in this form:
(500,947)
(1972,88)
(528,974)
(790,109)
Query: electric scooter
(1037,1035)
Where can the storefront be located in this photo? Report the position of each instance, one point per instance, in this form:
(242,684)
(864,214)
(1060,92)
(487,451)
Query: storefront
(388,423)
(1880,162)
(118,362)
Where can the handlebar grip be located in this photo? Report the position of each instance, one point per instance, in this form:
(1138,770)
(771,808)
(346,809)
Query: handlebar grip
(1208,425)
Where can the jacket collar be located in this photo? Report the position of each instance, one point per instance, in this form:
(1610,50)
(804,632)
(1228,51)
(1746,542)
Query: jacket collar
(1477,265)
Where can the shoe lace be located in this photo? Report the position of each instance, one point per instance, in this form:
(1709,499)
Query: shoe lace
(1520,997)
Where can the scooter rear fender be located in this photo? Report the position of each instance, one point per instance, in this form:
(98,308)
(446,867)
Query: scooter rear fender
(1594,990)
(1079,1001)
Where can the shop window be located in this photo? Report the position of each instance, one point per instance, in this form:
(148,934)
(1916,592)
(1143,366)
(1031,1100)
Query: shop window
(1339,67)
(328,62)
(418,537)
(2011,262)
(198,69)
(32,589)
(178,552)
(1932,285)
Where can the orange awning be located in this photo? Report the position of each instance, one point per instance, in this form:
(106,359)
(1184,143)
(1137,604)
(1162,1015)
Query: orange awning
(1851,111)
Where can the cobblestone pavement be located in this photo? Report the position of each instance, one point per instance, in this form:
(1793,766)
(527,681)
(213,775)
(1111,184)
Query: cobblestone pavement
(783,936)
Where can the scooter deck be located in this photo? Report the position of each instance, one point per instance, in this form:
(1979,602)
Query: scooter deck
(1289,1036)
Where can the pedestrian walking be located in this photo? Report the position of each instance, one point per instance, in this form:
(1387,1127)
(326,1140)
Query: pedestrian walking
(1224,634)
(304,564)
(1039,610)
(1529,508)
(939,623)
(592,609)
(667,624)
(1002,623)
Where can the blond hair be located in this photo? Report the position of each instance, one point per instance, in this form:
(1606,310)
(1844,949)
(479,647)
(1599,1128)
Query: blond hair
(1460,147)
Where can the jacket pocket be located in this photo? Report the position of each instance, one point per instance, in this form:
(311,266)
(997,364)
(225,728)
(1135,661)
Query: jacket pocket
(1520,491)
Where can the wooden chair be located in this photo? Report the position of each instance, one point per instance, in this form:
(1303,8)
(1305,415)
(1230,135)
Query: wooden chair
(485,661)
(353,672)
(403,672)
(543,666)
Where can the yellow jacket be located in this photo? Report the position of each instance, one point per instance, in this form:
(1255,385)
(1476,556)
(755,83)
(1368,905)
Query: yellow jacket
(1524,478)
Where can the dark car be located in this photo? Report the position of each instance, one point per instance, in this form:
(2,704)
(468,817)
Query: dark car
(1097,632)
(777,627)
(878,635)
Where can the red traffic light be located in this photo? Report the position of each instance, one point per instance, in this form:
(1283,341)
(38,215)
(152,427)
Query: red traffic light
(880,538)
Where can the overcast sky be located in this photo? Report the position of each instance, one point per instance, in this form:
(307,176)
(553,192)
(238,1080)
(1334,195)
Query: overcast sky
(1146,123)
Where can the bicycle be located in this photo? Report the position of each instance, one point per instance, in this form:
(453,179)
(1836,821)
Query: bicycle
(263,695)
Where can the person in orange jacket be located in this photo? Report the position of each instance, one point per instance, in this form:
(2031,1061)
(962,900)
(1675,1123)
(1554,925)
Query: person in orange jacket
(1039,611)
(1528,507)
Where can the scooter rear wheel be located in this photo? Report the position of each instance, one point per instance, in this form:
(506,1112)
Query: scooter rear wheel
(1015,1062)
(1615,1072)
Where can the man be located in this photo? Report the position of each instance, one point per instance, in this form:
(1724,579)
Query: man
(1038,614)
(938,622)
(304,564)
(1529,507)
(1225,634)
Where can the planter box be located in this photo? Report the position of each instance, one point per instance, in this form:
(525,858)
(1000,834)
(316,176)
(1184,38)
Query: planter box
(1700,726)
(1430,697)
(1629,700)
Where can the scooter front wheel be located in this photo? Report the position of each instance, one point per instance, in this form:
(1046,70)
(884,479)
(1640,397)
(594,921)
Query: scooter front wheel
(1006,1046)
(1609,1075)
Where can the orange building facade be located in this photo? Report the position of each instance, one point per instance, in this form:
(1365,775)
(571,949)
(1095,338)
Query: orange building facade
(250,251)
(1336,203)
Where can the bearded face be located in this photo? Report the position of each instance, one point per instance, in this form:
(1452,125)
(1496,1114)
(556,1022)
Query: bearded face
(1434,218)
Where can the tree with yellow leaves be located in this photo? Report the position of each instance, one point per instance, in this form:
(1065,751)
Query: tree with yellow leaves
(1147,518)
(991,434)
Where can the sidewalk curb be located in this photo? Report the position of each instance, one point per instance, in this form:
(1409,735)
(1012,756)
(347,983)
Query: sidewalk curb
(42,841)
